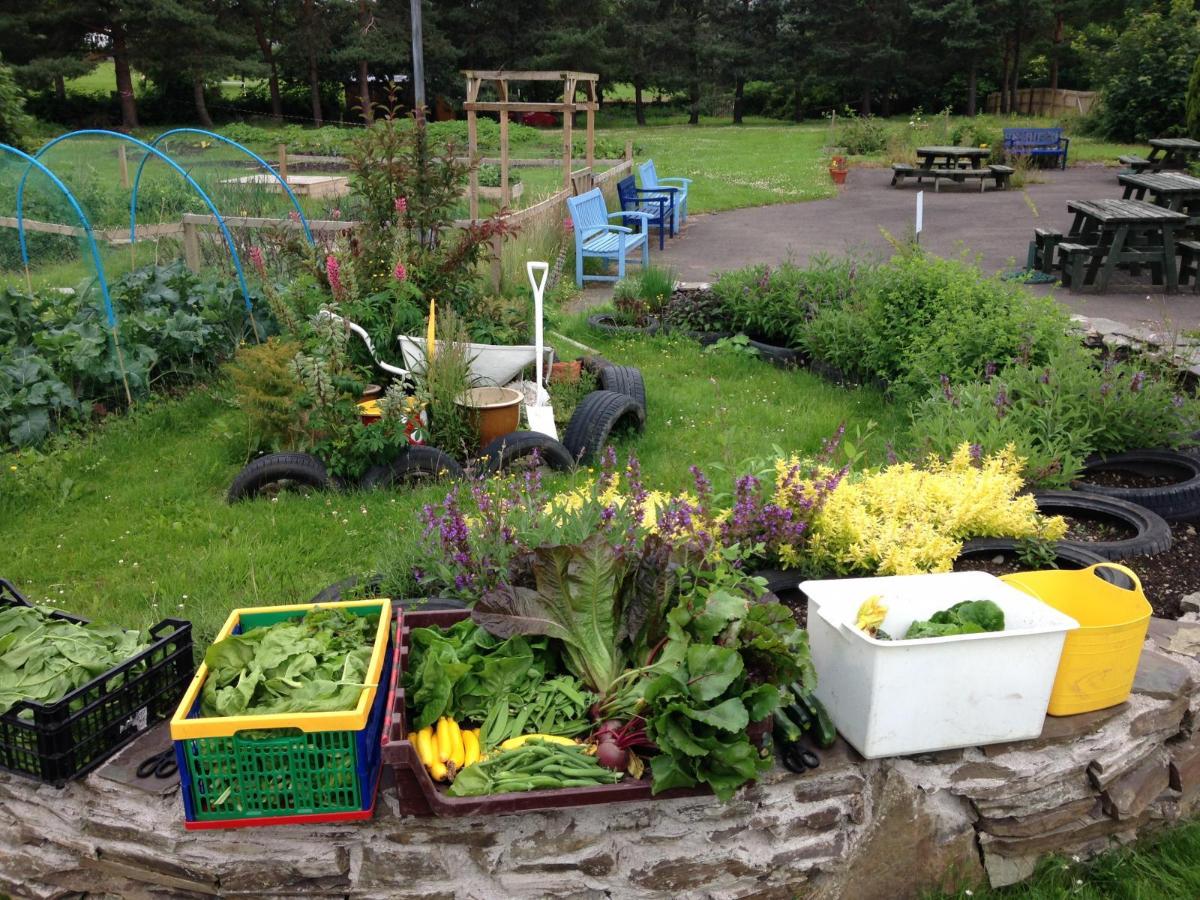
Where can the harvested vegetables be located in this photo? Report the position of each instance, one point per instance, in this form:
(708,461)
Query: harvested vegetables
(43,659)
(314,663)
(534,766)
(967,617)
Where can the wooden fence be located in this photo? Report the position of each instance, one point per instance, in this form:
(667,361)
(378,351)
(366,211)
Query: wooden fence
(1045,102)
(194,228)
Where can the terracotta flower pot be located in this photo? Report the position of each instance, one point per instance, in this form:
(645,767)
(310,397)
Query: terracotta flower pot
(497,411)
(566,372)
(838,175)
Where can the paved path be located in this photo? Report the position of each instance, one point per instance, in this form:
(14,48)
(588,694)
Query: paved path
(997,225)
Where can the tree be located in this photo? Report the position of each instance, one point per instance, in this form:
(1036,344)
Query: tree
(743,29)
(964,29)
(269,21)
(1193,102)
(14,124)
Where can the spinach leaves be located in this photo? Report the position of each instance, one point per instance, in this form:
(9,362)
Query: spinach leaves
(315,663)
(44,659)
(967,617)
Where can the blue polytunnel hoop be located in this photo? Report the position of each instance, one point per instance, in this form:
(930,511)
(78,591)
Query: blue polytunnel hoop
(109,313)
(237,260)
(232,143)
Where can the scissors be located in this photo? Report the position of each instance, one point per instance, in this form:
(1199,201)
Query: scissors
(160,765)
(796,758)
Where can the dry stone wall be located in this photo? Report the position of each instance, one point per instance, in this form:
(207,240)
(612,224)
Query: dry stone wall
(853,828)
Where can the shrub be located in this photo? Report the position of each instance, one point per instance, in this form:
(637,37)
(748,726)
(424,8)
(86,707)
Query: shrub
(267,390)
(976,132)
(861,135)
(906,519)
(697,311)
(643,295)
(1055,415)
(15,125)
(1193,102)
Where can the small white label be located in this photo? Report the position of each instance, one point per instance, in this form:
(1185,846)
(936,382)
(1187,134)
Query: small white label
(141,718)
(920,211)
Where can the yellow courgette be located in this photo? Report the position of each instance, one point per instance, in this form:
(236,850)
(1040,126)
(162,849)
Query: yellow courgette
(470,748)
(521,740)
(424,744)
(444,740)
(457,750)
(438,771)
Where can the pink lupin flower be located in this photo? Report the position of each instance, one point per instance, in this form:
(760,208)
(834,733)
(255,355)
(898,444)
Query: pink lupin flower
(400,273)
(294,216)
(256,257)
(333,270)
(401,204)
(336,214)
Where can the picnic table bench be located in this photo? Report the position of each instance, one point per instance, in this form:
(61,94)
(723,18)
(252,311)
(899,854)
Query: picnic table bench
(951,157)
(1106,234)
(1039,143)
(1165,153)
(999,174)
(1172,190)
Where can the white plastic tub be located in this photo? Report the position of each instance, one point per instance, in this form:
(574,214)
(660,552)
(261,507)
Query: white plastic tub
(891,698)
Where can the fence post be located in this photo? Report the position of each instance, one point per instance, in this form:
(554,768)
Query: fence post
(629,151)
(123,161)
(283,161)
(497,264)
(191,246)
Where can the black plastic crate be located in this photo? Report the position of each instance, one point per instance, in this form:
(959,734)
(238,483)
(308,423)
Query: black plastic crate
(62,740)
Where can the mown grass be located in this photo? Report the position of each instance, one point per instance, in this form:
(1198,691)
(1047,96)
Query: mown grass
(129,523)
(1165,867)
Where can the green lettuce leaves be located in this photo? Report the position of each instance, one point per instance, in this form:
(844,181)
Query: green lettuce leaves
(967,617)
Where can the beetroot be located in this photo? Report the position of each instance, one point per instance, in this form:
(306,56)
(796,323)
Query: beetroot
(611,755)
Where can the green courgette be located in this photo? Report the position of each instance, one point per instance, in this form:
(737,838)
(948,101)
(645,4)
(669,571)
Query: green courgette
(823,731)
(801,716)
(789,731)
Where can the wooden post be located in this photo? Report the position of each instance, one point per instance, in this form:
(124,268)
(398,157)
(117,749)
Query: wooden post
(568,124)
(629,151)
(283,161)
(472,149)
(497,267)
(191,246)
(591,125)
(505,189)
(123,162)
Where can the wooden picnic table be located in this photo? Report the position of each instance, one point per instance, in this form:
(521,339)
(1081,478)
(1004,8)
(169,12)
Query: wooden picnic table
(933,157)
(1173,153)
(1172,190)
(1126,233)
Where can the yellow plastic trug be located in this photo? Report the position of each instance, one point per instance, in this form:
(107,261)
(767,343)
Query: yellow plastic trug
(1100,658)
(183,728)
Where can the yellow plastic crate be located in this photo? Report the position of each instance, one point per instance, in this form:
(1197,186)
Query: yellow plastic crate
(184,728)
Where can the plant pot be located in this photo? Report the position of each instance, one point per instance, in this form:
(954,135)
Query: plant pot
(838,175)
(837,162)
(497,411)
(566,372)
(371,392)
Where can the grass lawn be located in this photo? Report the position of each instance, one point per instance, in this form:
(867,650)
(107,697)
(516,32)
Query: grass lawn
(1165,867)
(130,523)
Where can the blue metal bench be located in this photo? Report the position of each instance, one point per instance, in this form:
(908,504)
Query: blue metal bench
(676,188)
(660,209)
(1037,142)
(596,237)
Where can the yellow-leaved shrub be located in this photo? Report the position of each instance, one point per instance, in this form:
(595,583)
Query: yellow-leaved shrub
(905,519)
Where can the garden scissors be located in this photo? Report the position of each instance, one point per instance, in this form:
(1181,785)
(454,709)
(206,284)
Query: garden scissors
(796,758)
(160,765)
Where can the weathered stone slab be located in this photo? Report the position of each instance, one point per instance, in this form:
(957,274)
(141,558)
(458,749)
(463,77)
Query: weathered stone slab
(1130,795)
(1063,840)
(1164,719)
(1175,637)
(1161,677)
(1184,766)
(1059,729)
(1074,813)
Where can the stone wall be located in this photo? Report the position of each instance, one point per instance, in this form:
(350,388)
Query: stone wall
(853,828)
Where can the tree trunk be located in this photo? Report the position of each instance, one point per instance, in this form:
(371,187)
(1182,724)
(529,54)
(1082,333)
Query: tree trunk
(797,103)
(60,88)
(739,99)
(694,101)
(639,105)
(1056,49)
(885,104)
(364,72)
(268,55)
(1004,75)
(201,106)
(1016,68)
(972,87)
(120,54)
(314,75)
(864,106)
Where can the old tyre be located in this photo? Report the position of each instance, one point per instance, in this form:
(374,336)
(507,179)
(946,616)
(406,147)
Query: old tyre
(371,585)
(596,417)
(279,472)
(1151,533)
(625,380)
(1178,501)
(520,446)
(607,322)
(416,465)
(781,357)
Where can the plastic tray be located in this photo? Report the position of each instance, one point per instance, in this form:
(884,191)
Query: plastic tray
(420,795)
(305,762)
(56,742)
(187,722)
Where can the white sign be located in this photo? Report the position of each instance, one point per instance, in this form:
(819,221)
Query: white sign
(920,210)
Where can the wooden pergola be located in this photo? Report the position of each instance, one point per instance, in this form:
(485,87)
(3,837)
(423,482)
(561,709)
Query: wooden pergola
(571,81)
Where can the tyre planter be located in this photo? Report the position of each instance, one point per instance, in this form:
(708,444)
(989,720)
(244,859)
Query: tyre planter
(783,357)
(1067,555)
(606,322)
(371,585)
(416,465)
(1178,501)
(625,380)
(520,446)
(834,375)
(1151,533)
(277,473)
(596,418)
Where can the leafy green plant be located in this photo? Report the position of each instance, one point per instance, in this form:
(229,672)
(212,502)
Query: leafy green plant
(967,617)
(314,663)
(861,135)
(267,390)
(565,395)
(452,426)
(489,176)
(737,344)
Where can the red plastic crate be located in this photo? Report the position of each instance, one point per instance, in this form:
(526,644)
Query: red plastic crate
(420,795)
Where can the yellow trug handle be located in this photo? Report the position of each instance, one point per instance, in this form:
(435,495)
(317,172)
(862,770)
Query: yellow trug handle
(1124,570)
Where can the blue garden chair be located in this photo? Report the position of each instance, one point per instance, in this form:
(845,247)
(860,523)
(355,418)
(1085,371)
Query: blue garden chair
(659,208)
(678,192)
(596,237)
